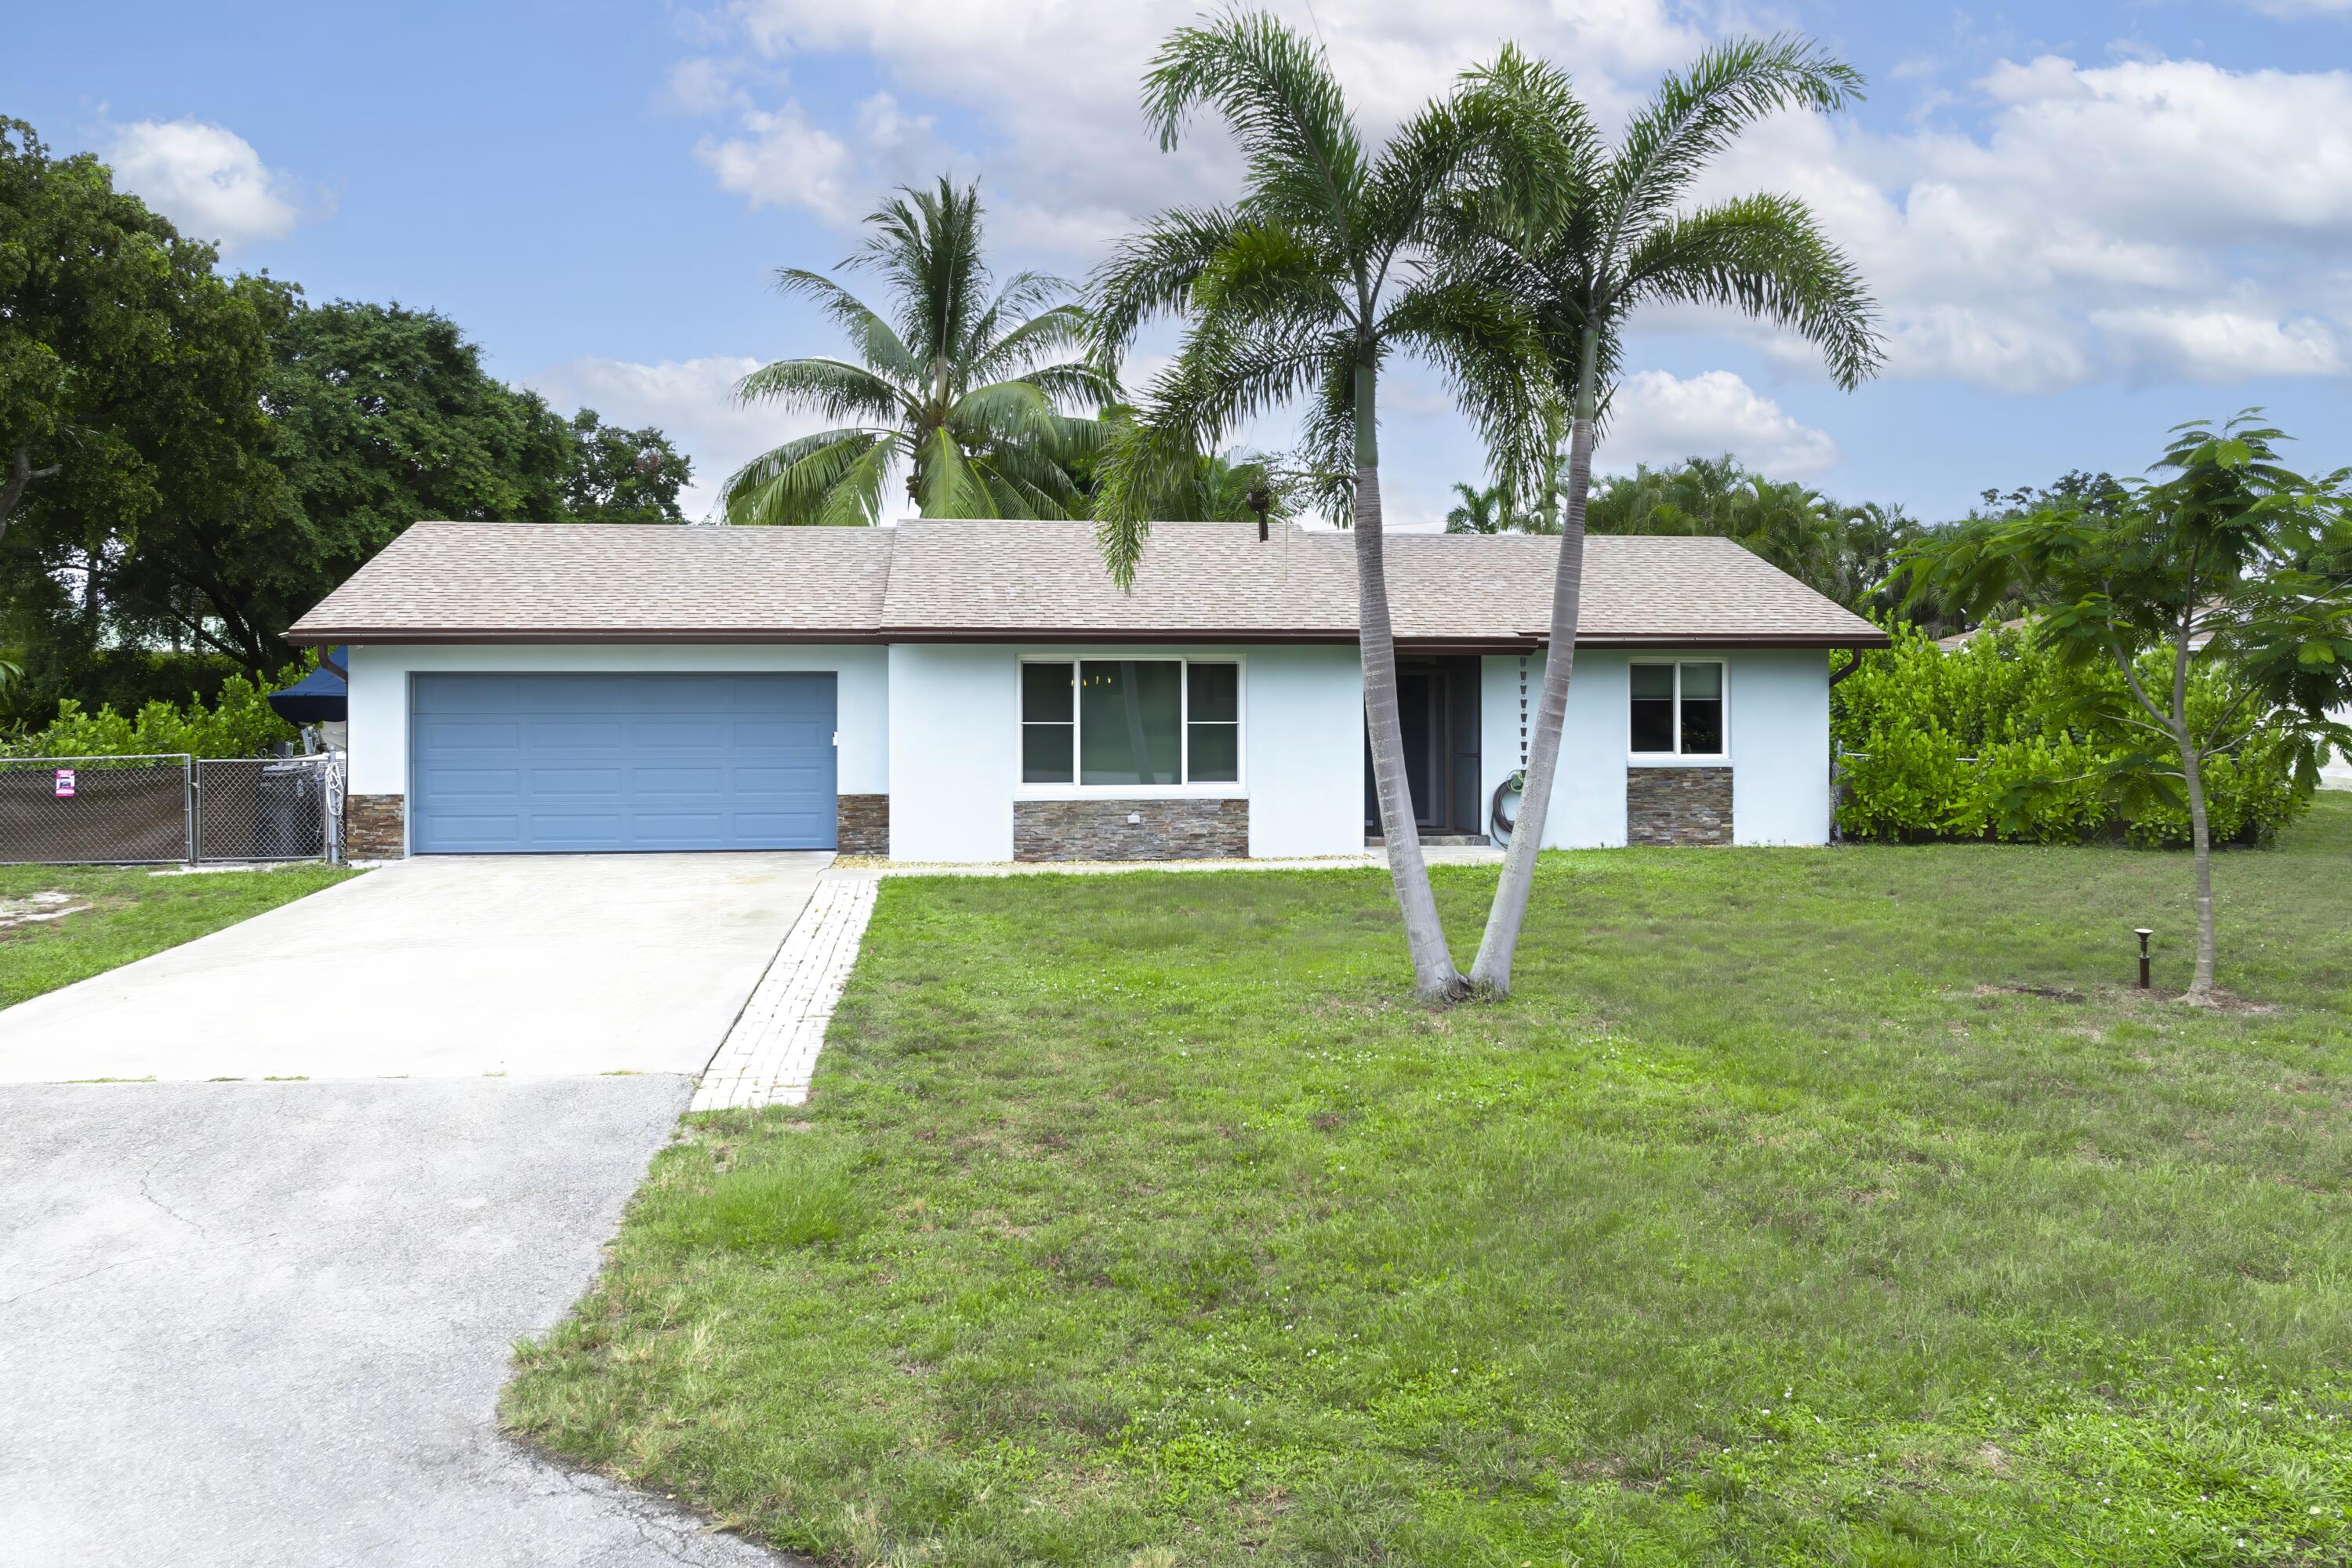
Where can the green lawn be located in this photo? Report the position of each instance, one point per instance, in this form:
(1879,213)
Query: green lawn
(132,913)
(1802,1207)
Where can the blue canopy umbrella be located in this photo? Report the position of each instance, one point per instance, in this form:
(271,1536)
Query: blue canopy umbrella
(321,697)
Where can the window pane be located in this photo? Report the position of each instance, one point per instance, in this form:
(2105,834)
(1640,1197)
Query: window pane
(1653,680)
(1045,753)
(1703,726)
(1046,691)
(1216,754)
(1654,724)
(1128,714)
(1216,693)
(1702,710)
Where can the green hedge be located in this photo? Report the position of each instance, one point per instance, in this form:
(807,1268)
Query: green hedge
(1918,715)
(239,723)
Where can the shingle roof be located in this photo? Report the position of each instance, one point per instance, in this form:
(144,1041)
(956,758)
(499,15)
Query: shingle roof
(471,582)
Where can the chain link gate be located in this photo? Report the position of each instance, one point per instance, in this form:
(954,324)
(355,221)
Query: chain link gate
(170,807)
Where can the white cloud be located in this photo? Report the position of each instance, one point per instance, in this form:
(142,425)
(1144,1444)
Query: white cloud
(1656,417)
(692,401)
(1053,86)
(205,178)
(704,85)
(2098,202)
(2221,344)
(783,161)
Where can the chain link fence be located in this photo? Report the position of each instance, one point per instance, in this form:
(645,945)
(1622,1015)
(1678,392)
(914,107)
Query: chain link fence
(171,807)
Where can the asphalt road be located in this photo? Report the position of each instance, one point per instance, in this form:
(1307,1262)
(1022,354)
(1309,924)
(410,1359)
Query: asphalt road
(265,1323)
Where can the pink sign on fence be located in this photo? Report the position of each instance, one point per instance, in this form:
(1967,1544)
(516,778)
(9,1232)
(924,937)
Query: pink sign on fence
(65,784)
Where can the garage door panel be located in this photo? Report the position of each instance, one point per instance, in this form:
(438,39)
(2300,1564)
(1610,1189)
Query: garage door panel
(577,781)
(552,763)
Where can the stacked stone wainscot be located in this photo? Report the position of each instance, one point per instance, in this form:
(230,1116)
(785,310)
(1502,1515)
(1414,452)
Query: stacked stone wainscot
(375,827)
(862,825)
(1678,806)
(1099,829)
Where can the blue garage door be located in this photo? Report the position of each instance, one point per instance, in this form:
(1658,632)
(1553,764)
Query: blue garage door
(547,763)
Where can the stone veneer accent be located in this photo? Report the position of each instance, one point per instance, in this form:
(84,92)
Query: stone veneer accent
(864,825)
(1099,830)
(1677,805)
(374,827)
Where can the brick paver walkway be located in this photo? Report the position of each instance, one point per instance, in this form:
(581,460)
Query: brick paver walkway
(771,1052)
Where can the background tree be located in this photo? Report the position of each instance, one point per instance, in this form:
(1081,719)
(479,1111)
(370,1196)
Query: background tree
(379,416)
(1795,527)
(1302,288)
(971,392)
(1208,487)
(623,476)
(1609,231)
(1478,510)
(130,375)
(2235,562)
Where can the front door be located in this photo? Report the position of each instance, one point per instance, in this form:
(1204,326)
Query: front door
(1437,714)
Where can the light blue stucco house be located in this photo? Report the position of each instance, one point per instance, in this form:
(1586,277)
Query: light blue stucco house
(981,692)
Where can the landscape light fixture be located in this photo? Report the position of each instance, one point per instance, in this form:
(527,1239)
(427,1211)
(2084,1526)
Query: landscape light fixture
(2143,933)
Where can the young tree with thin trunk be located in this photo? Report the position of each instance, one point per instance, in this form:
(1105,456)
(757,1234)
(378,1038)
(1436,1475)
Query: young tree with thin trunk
(2235,567)
(1612,230)
(1302,290)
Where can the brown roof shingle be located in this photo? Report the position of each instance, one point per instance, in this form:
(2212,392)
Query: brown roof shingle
(469,582)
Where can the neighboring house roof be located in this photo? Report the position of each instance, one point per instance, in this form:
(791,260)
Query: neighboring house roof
(939,581)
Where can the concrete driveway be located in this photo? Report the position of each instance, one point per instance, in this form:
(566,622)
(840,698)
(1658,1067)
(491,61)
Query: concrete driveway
(442,966)
(260,1323)
(251,1325)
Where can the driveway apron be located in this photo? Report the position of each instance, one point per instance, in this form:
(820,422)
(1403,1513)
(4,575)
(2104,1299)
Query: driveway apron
(258,1323)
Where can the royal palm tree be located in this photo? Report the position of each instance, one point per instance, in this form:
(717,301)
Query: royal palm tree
(1617,231)
(971,392)
(1302,288)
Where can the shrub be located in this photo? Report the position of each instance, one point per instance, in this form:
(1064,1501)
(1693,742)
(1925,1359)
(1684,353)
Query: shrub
(1993,740)
(239,723)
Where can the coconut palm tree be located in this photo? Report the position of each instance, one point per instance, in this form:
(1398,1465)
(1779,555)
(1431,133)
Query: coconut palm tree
(1617,231)
(971,392)
(1302,288)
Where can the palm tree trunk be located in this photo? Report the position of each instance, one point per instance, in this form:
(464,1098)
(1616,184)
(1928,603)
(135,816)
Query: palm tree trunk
(1434,978)
(1490,973)
(2200,840)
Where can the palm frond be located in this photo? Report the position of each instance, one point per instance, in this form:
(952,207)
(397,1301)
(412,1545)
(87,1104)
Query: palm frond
(1493,356)
(927,243)
(828,387)
(877,343)
(807,479)
(1283,106)
(1065,328)
(1766,256)
(1697,114)
(1151,274)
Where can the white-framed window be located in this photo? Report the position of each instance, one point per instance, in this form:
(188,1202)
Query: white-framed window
(1677,709)
(1154,722)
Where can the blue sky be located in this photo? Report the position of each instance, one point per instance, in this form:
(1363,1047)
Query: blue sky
(2083,222)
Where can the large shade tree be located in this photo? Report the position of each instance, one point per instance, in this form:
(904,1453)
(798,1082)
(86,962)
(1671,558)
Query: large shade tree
(1609,230)
(975,393)
(2234,564)
(1302,288)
